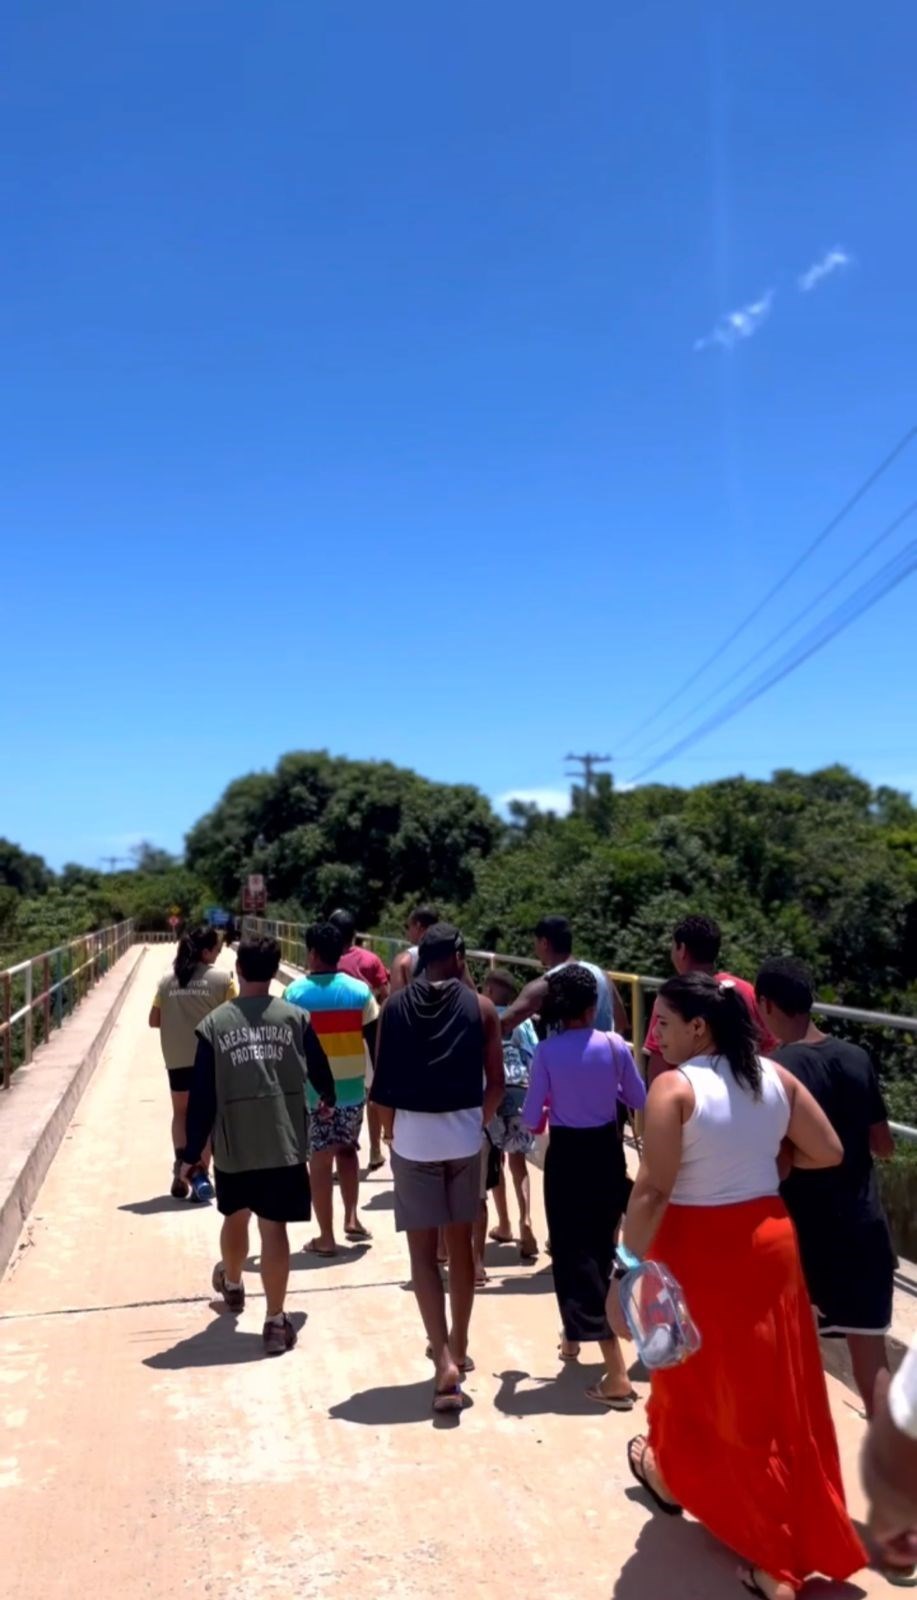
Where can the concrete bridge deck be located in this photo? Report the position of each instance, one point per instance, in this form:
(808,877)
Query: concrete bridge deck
(150,1450)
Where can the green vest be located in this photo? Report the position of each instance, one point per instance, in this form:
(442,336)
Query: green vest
(259,1054)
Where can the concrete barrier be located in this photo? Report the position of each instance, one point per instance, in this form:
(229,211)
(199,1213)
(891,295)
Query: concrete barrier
(38,1107)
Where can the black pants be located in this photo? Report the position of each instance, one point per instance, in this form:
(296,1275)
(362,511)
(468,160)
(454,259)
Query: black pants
(585,1185)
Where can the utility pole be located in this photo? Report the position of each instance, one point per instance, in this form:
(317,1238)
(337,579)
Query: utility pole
(588,763)
(112,861)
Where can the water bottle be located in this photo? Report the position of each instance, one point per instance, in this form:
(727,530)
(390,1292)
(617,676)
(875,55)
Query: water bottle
(201,1187)
(656,1313)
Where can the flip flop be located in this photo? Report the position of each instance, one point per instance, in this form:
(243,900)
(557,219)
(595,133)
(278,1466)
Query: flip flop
(374,1166)
(612,1402)
(528,1255)
(898,1577)
(314,1249)
(450,1399)
(357,1233)
(496,1237)
(566,1355)
(668,1506)
(464,1366)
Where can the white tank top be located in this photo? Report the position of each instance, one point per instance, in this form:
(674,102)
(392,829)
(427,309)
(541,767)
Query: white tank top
(731,1140)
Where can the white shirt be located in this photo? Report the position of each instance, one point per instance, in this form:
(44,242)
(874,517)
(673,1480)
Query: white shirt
(438,1135)
(731,1141)
(902,1396)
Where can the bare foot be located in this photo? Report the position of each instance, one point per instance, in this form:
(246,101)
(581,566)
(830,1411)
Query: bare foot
(356,1230)
(447,1396)
(568,1349)
(320,1246)
(528,1245)
(480,1275)
(758,1582)
(500,1236)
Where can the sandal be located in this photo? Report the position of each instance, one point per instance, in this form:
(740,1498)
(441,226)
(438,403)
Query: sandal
(315,1249)
(612,1402)
(359,1232)
(450,1399)
(670,1507)
(496,1237)
(464,1366)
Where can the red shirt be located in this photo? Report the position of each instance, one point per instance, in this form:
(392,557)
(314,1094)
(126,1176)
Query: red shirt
(365,965)
(766,1041)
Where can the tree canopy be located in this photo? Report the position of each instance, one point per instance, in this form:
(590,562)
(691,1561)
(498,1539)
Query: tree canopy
(819,864)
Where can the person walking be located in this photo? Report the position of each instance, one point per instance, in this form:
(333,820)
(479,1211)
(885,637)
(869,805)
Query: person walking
(254,1057)
(370,969)
(183,998)
(421,919)
(844,1238)
(889,1471)
(344,1016)
(507,1131)
(554,949)
(740,1434)
(696,945)
(579,1075)
(438,1080)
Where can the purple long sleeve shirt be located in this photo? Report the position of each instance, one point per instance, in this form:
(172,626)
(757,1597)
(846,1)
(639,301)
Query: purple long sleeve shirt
(580,1076)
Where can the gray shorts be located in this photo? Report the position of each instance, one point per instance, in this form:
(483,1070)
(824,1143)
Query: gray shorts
(431,1194)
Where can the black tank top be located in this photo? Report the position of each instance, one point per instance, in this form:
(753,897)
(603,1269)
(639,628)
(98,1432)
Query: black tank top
(431,1049)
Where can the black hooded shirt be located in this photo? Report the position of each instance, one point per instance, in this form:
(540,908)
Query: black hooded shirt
(431,1049)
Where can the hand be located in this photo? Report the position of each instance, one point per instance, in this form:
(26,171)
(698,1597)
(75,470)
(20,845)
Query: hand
(616,1318)
(324,1112)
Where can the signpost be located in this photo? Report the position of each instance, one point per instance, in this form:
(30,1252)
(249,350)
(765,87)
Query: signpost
(254,894)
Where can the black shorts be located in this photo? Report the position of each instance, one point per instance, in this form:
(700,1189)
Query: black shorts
(180,1079)
(850,1273)
(278,1194)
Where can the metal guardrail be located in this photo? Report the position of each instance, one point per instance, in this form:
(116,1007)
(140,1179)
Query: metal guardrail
(292,939)
(65,975)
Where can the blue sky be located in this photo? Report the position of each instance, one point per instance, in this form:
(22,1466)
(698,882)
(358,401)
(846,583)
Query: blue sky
(353,398)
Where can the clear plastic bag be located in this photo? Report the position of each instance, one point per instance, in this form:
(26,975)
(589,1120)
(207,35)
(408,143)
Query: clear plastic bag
(654,1307)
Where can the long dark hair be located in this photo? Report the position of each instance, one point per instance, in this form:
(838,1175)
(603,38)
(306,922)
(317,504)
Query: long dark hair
(191,947)
(726,1015)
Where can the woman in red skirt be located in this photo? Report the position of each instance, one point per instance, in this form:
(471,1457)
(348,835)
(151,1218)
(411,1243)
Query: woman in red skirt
(740,1435)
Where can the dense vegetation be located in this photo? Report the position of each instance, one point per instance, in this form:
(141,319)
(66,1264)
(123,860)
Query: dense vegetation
(821,865)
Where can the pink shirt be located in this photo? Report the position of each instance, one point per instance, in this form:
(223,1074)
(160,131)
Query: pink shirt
(364,964)
(766,1041)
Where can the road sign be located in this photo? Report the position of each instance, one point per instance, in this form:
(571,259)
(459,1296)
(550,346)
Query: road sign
(217,917)
(254,895)
(174,921)
(175,911)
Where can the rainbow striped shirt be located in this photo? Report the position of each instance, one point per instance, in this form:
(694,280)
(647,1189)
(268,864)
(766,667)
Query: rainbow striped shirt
(340,1007)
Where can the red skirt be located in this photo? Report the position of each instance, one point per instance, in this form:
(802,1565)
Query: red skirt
(743,1431)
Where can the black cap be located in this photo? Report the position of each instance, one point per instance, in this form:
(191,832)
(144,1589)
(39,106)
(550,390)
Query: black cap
(438,944)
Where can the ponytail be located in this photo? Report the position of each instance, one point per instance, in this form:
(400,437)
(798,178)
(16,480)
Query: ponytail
(727,1017)
(191,947)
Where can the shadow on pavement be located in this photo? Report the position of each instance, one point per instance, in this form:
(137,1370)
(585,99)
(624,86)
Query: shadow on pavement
(675,1556)
(563,1396)
(541,1282)
(221,1343)
(383,1201)
(347,1254)
(395,1403)
(157,1203)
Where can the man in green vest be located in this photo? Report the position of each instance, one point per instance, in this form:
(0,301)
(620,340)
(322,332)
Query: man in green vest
(248,1094)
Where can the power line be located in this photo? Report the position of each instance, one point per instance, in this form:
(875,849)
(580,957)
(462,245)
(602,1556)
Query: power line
(800,561)
(727,683)
(849,610)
